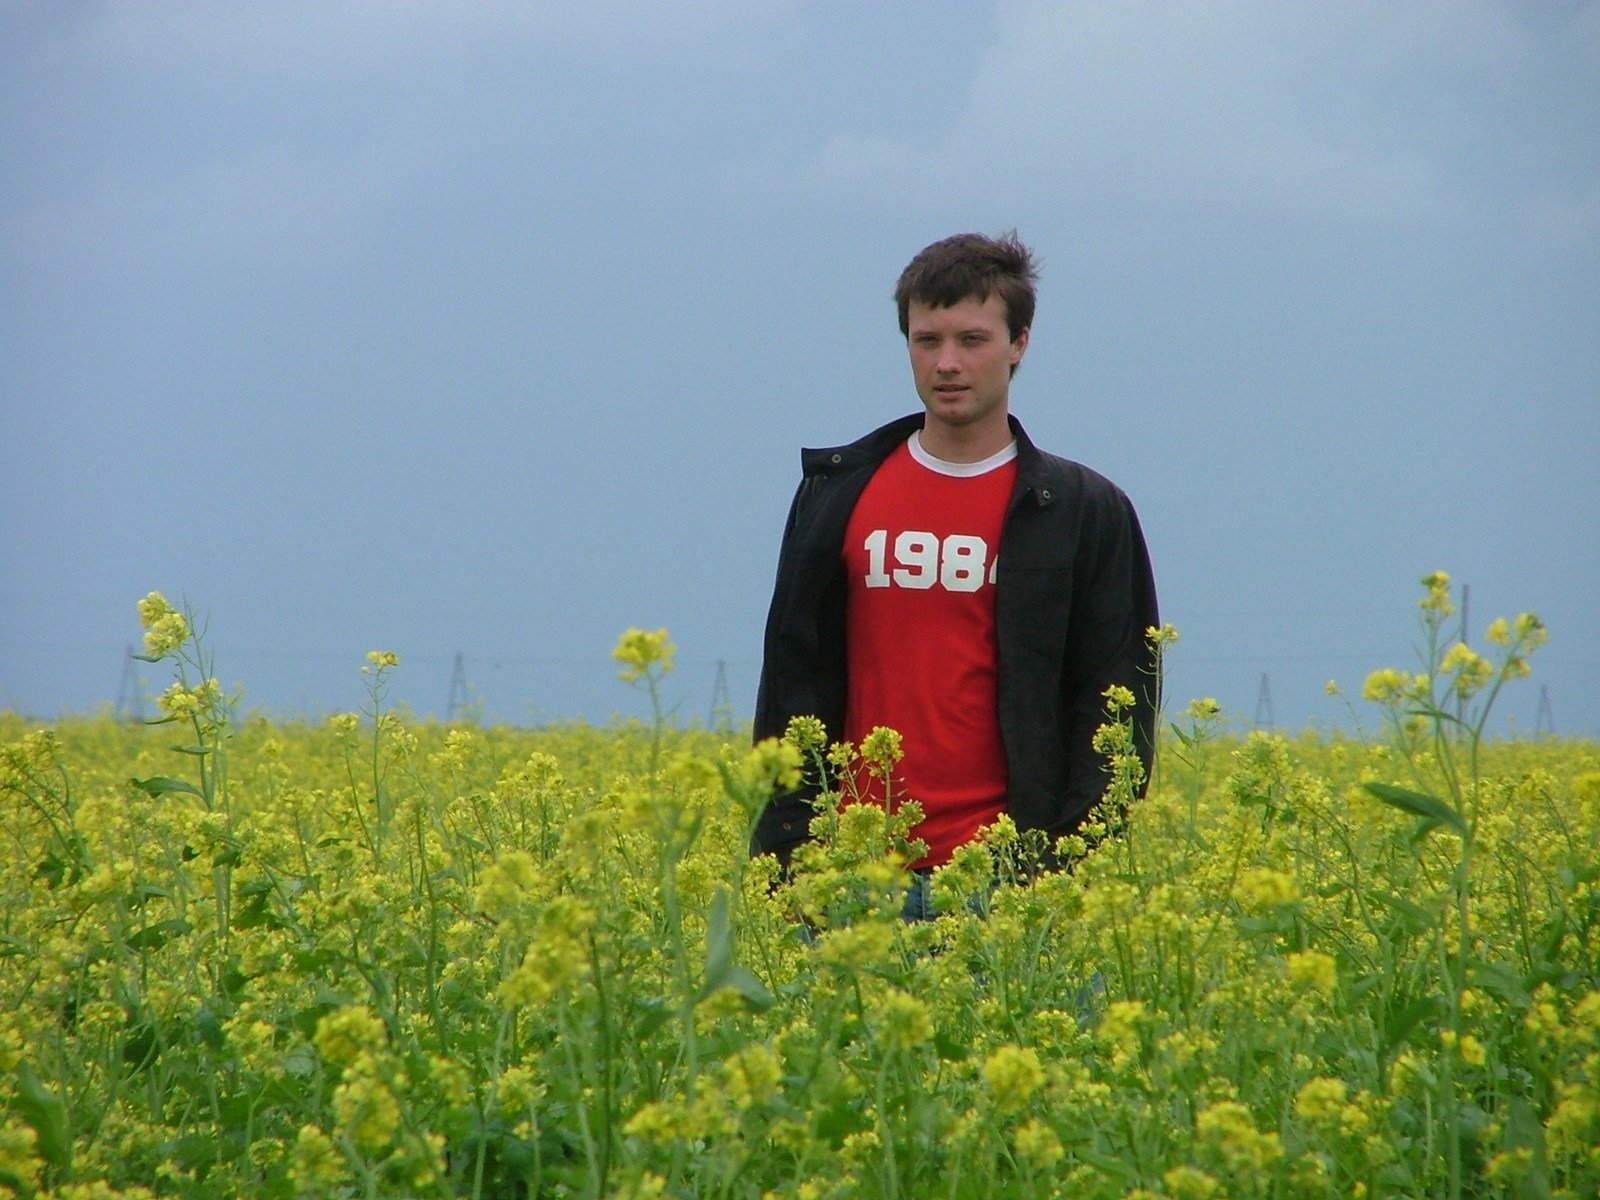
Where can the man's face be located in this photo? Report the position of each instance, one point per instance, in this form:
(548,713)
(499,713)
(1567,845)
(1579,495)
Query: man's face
(961,358)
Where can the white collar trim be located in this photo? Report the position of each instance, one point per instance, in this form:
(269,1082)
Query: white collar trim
(960,470)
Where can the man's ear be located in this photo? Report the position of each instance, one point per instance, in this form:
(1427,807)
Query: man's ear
(1018,347)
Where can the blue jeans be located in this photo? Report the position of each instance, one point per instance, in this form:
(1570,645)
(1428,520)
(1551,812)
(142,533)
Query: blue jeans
(919,897)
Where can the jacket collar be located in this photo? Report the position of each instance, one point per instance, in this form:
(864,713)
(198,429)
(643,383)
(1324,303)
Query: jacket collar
(876,446)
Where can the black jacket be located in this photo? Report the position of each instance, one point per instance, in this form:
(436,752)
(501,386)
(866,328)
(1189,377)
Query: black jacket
(1074,595)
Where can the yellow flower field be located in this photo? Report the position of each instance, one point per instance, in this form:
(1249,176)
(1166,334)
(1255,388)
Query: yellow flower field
(378,957)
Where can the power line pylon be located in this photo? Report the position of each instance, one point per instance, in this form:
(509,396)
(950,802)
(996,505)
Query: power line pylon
(456,708)
(1544,722)
(130,700)
(721,705)
(1264,703)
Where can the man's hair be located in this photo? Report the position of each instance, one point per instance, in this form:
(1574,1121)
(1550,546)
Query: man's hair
(970,265)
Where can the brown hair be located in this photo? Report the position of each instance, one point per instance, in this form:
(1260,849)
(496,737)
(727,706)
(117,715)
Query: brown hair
(970,265)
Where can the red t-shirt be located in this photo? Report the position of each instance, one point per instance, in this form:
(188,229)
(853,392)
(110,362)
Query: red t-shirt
(919,558)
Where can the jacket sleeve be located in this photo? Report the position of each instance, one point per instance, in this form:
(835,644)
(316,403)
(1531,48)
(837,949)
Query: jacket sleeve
(768,720)
(1114,605)
(786,820)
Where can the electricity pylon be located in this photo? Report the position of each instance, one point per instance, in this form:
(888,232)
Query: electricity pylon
(1544,722)
(1264,703)
(456,708)
(130,701)
(721,705)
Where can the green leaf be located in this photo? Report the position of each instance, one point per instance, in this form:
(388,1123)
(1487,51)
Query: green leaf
(160,785)
(719,943)
(656,1012)
(1419,804)
(1502,979)
(835,1123)
(744,981)
(301,1061)
(1524,1131)
(140,1047)
(43,1110)
(1420,917)
(1108,1165)
(1423,828)
(1398,1024)
(197,751)
(153,937)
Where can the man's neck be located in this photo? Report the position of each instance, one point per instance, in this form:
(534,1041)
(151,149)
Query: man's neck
(965,443)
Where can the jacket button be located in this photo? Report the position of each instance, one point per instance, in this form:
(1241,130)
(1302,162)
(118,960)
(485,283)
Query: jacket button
(1044,493)
(837,458)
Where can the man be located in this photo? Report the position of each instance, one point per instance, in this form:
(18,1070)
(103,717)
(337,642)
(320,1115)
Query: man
(943,577)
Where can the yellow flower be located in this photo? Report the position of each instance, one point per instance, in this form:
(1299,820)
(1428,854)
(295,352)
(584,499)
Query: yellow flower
(1385,685)
(18,1161)
(860,1146)
(1468,1048)
(1313,969)
(882,748)
(1472,670)
(346,1033)
(507,885)
(752,1075)
(1227,1125)
(1438,598)
(317,1167)
(165,628)
(655,1122)
(1189,1183)
(1120,1025)
(1265,887)
(1013,1074)
(856,947)
(556,958)
(906,1023)
(1320,1099)
(1118,698)
(1161,635)
(1574,1124)
(366,1108)
(1037,1144)
(1204,710)
(517,1092)
(1586,1014)
(1530,630)
(770,763)
(642,653)
(806,734)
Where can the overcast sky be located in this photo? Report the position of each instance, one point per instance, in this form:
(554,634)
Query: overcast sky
(496,328)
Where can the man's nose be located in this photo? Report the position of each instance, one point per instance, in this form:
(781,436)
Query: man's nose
(946,363)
